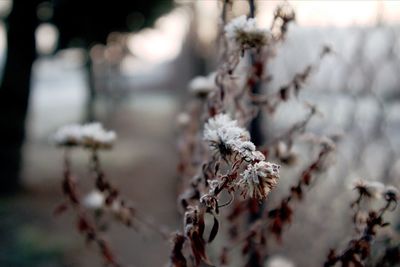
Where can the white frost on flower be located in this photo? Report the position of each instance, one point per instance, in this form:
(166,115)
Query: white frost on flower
(95,136)
(94,200)
(259,179)
(220,121)
(370,189)
(278,261)
(243,32)
(91,135)
(68,135)
(201,86)
(226,138)
(258,156)
(224,135)
(248,151)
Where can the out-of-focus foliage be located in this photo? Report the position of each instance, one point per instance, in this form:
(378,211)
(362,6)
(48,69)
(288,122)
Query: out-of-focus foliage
(82,23)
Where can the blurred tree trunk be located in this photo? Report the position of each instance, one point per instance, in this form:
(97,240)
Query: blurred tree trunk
(90,113)
(14,90)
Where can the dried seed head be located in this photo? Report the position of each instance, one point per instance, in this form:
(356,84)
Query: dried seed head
(225,136)
(229,140)
(368,189)
(244,33)
(259,179)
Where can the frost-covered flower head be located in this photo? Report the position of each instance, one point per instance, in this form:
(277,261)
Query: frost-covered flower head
(68,135)
(243,32)
(259,179)
(94,200)
(95,136)
(201,86)
(279,261)
(227,139)
(225,136)
(91,135)
(369,189)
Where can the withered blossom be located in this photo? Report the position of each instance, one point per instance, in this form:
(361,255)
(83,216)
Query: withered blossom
(259,179)
(243,32)
(225,137)
(94,136)
(91,135)
(229,140)
(369,189)
(68,135)
(201,86)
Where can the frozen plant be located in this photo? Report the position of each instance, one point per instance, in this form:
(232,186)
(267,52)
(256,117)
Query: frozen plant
(226,138)
(359,249)
(242,32)
(103,197)
(238,164)
(201,86)
(68,135)
(94,136)
(259,179)
(91,135)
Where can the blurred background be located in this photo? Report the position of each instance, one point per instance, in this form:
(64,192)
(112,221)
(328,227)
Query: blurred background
(128,63)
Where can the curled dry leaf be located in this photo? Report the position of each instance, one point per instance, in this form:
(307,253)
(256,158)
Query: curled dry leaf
(177,258)
(194,230)
(214,230)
